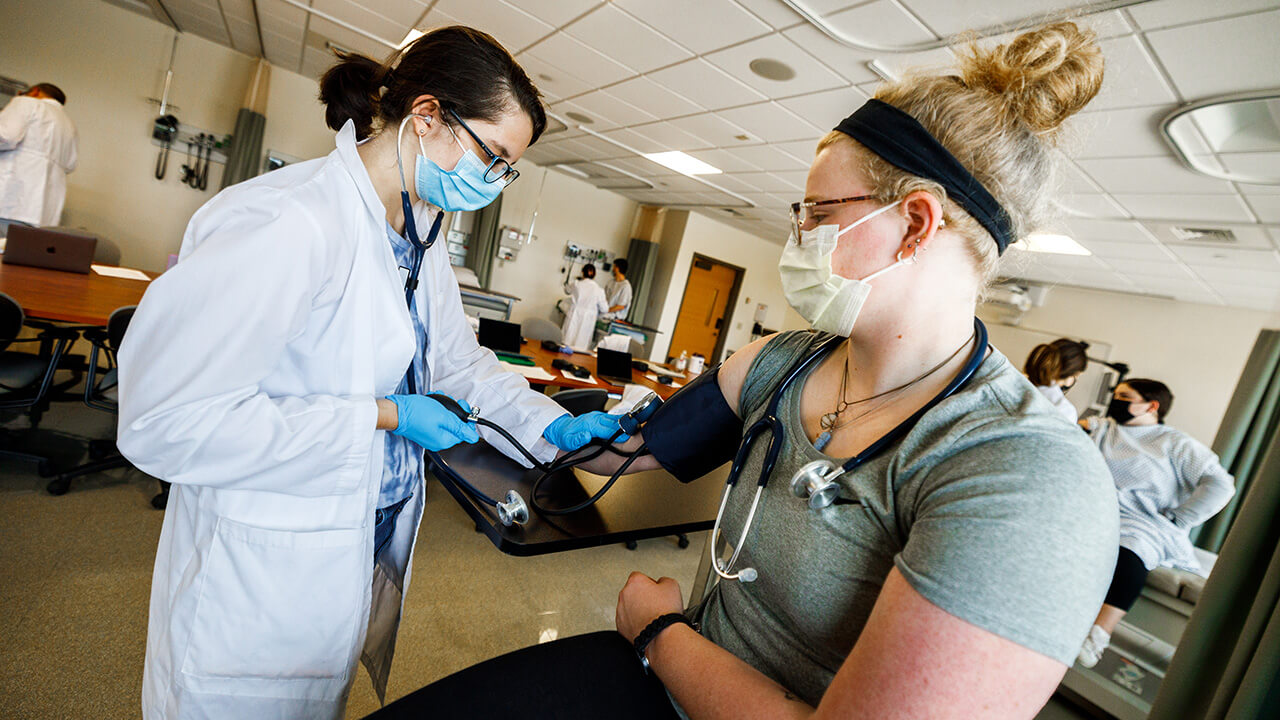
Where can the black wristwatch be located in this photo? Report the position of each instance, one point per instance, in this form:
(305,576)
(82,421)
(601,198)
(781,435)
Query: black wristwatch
(646,636)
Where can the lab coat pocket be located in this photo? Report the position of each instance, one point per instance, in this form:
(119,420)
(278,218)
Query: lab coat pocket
(279,604)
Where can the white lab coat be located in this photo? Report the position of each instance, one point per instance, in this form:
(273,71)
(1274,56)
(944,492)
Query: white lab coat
(37,150)
(1055,395)
(586,303)
(248,378)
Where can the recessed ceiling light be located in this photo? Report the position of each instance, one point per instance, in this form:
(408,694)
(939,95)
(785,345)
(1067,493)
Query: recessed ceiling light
(682,163)
(580,117)
(1049,243)
(771,69)
(413,34)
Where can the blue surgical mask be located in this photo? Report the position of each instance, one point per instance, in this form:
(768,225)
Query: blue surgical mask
(462,188)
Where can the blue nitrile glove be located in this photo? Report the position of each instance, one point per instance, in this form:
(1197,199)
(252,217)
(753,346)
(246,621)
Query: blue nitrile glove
(431,425)
(570,433)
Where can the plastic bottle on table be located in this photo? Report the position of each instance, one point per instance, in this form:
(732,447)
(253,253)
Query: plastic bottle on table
(682,362)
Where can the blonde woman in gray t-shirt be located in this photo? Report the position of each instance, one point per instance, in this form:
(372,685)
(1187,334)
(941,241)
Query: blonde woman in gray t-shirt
(959,567)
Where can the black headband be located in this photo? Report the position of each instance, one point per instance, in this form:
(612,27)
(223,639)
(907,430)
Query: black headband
(904,143)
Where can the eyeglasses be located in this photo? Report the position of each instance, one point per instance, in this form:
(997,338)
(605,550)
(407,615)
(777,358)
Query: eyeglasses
(499,169)
(802,212)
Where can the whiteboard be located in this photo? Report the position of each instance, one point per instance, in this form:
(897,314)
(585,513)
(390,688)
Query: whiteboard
(1092,389)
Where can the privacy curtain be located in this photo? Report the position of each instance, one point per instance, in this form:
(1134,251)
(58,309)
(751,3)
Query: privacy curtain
(1249,428)
(244,158)
(1227,666)
(484,244)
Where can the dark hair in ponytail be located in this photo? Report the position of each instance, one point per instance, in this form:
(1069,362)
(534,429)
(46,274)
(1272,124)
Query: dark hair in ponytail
(467,70)
(1153,390)
(1054,361)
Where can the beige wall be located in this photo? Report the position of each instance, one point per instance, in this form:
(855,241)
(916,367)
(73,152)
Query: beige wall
(760,284)
(1197,350)
(109,60)
(570,211)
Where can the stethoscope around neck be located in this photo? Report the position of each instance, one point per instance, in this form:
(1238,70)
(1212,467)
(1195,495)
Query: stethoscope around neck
(420,248)
(816,481)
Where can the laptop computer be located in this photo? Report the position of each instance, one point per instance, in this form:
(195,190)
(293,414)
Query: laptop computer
(503,338)
(49,248)
(613,366)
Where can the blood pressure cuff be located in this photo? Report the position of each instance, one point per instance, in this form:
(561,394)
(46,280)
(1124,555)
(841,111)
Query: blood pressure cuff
(694,431)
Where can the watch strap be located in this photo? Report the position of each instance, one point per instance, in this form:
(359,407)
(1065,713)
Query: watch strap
(660,623)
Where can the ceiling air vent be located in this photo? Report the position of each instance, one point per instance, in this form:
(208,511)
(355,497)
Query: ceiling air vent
(1213,236)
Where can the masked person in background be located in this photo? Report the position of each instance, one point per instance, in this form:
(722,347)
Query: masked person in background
(1167,483)
(586,303)
(957,568)
(1053,368)
(276,376)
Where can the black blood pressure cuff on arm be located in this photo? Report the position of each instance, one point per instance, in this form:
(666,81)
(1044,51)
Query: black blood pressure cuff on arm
(694,431)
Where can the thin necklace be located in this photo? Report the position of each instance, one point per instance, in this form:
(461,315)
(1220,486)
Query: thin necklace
(831,421)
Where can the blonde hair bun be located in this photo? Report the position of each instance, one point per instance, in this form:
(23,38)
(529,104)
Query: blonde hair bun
(1045,75)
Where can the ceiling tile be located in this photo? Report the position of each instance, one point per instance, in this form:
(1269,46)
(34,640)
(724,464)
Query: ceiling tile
(802,150)
(678,183)
(1259,164)
(826,109)
(717,131)
(1130,132)
(701,26)
(276,12)
(734,183)
(404,12)
(555,12)
(1130,80)
(850,63)
(881,24)
(670,137)
(1217,208)
(1165,271)
(725,160)
(771,183)
(550,79)
(344,38)
(769,158)
(1098,206)
(1266,207)
(1075,180)
(1249,237)
(1163,13)
(243,9)
(1121,254)
(1205,257)
(512,27)
(1253,298)
(654,98)
(1150,175)
(602,105)
(627,40)
(1239,277)
(1108,230)
(1225,56)
(363,18)
(771,122)
(776,14)
(244,36)
(576,59)
(810,75)
(712,87)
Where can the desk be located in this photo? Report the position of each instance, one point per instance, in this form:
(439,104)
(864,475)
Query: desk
(644,505)
(67,296)
(544,357)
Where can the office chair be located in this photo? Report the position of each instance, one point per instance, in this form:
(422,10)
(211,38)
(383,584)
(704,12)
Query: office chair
(100,394)
(26,378)
(541,329)
(580,401)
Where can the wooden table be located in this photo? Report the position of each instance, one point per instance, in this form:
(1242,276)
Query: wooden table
(87,299)
(544,357)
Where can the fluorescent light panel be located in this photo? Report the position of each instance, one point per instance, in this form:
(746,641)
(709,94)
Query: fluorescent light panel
(682,163)
(1048,243)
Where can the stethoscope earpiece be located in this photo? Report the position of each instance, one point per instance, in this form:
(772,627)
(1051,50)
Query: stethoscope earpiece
(817,482)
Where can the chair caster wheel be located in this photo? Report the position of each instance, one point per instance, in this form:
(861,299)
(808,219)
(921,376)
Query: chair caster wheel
(682,541)
(58,486)
(631,544)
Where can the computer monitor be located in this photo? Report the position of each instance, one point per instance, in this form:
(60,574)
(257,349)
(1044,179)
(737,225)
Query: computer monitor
(49,248)
(613,366)
(500,336)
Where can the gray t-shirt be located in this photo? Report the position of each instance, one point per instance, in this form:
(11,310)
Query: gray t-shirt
(993,507)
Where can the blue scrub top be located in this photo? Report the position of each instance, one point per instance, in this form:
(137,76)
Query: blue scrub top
(403,463)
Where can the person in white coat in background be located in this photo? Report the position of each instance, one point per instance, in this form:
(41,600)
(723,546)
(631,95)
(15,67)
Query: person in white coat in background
(586,303)
(276,374)
(1054,368)
(38,146)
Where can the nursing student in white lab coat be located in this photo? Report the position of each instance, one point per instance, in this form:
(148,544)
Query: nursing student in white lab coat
(586,303)
(275,377)
(37,150)
(1054,368)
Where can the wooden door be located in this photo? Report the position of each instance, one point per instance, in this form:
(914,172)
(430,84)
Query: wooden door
(703,310)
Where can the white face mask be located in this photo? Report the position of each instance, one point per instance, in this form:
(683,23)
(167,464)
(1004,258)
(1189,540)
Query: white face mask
(829,302)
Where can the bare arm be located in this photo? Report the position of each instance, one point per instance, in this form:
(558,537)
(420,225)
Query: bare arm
(912,660)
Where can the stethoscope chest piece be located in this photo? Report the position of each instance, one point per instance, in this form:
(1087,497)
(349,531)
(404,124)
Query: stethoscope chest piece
(514,511)
(817,482)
